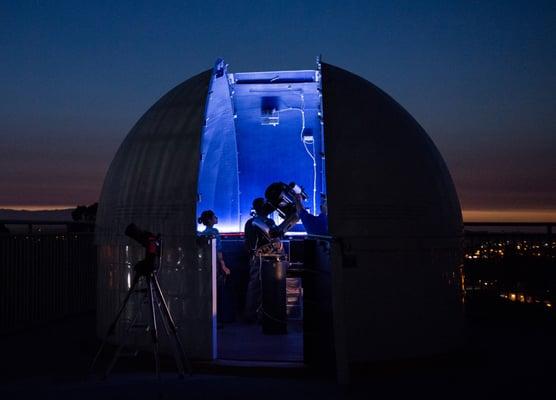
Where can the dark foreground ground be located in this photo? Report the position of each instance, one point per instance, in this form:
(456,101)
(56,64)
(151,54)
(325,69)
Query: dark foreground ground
(510,353)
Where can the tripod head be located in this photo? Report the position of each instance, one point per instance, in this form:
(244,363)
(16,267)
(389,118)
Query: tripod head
(152,244)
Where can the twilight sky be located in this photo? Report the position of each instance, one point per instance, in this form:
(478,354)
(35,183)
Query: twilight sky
(480,78)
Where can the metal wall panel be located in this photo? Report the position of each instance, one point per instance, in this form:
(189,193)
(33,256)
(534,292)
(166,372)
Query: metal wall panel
(152,182)
(396,220)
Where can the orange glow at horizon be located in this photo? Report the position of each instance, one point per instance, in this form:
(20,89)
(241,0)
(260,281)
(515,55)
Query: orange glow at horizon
(42,207)
(509,215)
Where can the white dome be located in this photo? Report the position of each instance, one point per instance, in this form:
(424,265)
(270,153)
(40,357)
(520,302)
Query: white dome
(393,212)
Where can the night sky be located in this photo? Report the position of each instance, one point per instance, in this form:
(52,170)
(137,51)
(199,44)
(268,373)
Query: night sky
(480,78)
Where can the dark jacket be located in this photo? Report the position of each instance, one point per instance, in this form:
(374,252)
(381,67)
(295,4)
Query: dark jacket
(254,238)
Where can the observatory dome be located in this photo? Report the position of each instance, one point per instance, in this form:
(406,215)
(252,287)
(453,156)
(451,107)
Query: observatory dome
(216,140)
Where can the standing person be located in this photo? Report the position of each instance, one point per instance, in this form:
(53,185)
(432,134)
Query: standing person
(314,224)
(209,219)
(253,238)
(266,292)
(253,241)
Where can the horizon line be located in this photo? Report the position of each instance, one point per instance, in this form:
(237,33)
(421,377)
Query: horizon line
(469,215)
(43,207)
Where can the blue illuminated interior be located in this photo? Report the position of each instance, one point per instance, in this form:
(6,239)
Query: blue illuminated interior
(261,127)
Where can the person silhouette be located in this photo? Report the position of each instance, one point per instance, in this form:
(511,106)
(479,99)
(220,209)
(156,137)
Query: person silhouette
(209,219)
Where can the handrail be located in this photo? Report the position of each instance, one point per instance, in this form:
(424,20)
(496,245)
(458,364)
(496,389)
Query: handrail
(509,223)
(34,222)
(547,225)
(42,222)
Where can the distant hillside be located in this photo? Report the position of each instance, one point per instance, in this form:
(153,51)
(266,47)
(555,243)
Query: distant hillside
(43,215)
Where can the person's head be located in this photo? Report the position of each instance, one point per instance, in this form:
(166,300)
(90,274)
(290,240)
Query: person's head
(260,207)
(208,218)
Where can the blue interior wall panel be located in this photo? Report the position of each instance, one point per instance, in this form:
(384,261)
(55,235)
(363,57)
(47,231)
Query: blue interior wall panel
(270,153)
(218,176)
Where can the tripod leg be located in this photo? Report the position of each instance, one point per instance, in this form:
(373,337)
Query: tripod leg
(177,358)
(121,346)
(154,331)
(112,327)
(172,325)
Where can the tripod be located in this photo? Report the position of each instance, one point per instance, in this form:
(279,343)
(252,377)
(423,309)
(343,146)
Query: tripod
(145,271)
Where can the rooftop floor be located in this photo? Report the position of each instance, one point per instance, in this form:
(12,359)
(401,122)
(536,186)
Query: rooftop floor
(507,355)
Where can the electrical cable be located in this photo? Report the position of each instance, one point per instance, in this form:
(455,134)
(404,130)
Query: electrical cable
(311,155)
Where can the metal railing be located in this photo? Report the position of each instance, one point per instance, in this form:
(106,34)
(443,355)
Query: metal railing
(549,226)
(33,226)
(44,277)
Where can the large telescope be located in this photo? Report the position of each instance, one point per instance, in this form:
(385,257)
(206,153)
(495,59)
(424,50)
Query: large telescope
(283,199)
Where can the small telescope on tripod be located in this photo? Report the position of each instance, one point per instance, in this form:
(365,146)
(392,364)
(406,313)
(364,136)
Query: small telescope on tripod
(153,247)
(145,276)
